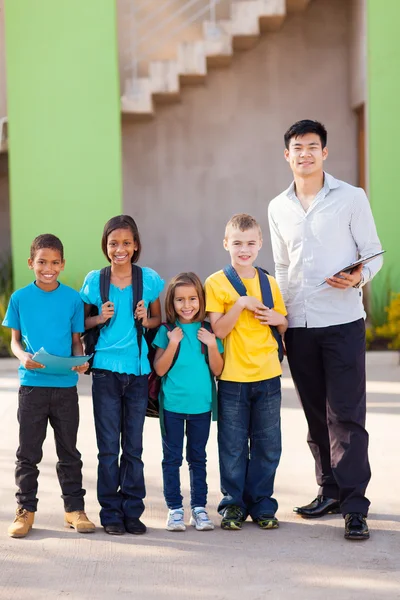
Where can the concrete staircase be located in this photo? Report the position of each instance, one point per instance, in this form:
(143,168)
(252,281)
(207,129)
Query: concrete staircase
(249,19)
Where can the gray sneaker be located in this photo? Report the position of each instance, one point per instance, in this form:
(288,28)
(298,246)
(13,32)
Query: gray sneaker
(200,519)
(175,520)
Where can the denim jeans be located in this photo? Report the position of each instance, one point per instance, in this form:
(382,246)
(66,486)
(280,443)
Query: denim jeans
(197,432)
(249,443)
(36,407)
(119,403)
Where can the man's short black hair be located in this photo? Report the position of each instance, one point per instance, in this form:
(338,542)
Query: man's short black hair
(302,128)
(46,240)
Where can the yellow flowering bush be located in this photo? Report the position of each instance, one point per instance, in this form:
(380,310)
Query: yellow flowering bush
(391,329)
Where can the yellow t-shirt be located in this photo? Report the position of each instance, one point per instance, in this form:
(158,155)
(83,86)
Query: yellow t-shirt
(250,350)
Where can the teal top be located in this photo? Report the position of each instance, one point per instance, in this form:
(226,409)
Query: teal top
(46,320)
(117,349)
(188,386)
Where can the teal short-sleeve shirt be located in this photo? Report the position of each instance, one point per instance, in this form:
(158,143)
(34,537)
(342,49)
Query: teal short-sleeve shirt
(187,387)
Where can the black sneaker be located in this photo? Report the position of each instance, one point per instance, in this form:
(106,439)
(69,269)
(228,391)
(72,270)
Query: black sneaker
(356,527)
(267,522)
(135,526)
(232,518)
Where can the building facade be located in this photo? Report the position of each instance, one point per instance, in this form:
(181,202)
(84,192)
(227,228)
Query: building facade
(196,142)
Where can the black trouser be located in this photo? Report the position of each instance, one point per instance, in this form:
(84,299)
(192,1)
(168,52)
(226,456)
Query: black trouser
(37,406)
(328,370)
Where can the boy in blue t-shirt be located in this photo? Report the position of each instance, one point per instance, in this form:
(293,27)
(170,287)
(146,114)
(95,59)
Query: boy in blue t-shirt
(47,314)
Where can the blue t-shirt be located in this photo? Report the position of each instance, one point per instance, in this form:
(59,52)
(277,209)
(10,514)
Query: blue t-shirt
(117,349)
(187,387)
(46,320)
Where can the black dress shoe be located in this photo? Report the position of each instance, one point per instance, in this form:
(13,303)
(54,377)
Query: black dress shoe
(115,529)
(135,526)
(318,508)
(356,527)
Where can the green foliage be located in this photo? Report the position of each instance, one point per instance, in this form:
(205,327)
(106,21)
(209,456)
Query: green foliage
(391,329)
(5,293)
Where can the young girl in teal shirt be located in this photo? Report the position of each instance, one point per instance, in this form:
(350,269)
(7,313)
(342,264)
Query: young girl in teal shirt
(120,372)
(188,357)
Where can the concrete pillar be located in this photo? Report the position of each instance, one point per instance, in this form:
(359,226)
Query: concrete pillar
(64,127)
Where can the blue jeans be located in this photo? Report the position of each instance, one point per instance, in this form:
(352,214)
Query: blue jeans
(119,404)
(249,443)
(197,432)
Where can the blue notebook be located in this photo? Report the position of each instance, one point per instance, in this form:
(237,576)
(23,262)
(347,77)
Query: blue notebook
(59,365)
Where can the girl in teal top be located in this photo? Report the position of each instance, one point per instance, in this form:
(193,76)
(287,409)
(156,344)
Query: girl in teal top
(120,374)
(187,359)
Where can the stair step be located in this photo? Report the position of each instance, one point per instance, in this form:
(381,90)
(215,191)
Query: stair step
(164,81)
(296,5)
(137,99)
(217,44)
(272,14)
(192,64)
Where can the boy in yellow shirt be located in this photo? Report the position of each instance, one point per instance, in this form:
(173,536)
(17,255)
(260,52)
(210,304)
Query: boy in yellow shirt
(249,389)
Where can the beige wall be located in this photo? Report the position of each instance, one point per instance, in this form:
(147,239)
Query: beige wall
(221,150)
(358,53)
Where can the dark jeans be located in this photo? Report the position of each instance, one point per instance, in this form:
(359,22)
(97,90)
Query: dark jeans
(197,432)
(249,442)
(328,369)
(119,403)
(37,406)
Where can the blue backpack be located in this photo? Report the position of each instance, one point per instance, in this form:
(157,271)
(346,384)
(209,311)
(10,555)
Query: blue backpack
(266,293)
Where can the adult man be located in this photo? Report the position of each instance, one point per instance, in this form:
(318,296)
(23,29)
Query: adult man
(319,225)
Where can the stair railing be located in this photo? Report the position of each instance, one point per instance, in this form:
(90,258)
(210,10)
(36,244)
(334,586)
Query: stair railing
(151,32)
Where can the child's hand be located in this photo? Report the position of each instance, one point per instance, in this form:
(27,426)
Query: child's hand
(206,337)
(269,316)
(107,311)
(29,363)
(82,368)
(251,303)
(141,313)
(175,336)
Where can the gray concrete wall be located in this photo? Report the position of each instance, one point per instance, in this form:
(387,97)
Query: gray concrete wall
(221,150)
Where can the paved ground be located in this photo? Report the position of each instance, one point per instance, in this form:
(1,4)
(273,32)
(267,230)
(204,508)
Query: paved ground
(302,559)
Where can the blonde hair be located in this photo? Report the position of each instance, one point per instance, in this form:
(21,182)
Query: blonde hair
(185,279)
(243,222)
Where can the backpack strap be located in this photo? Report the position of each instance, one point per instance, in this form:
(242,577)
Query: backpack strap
(214,397)
(137,296)
(266,293)
(268,300)
(105,280)
(171,327)
(235,281)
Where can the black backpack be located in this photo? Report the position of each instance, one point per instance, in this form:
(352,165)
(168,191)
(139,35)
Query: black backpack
(266,293)
(91,336)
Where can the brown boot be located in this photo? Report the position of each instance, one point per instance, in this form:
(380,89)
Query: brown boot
(22,523)
(78,520)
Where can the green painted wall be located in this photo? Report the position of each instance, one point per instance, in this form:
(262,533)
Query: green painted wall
(64,115)
(384,136)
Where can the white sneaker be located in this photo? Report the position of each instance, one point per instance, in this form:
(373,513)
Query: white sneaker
(200,519)
(175,520)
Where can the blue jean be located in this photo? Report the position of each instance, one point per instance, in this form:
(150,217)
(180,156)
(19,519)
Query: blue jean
(119,404)
(197,432)
(249,443)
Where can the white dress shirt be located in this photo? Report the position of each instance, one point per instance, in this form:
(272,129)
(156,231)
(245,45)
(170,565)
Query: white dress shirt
(309,246)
